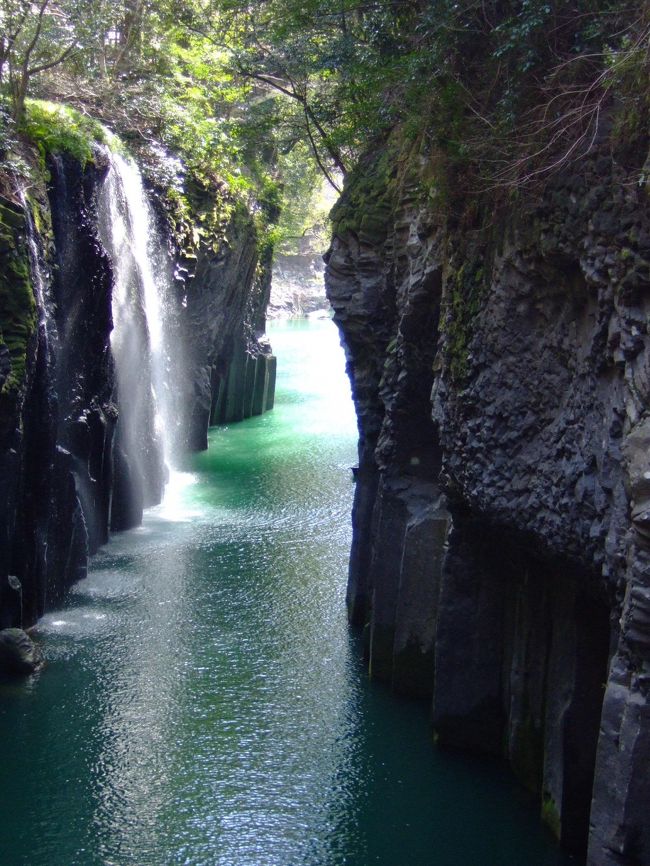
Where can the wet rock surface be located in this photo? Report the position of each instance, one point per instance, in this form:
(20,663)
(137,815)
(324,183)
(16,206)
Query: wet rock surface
(64,473)
(19,655)
(231,369)
(500,368)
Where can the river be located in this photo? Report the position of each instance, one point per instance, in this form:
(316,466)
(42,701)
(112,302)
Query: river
(204,701)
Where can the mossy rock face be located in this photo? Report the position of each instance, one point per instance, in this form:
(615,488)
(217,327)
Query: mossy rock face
(467,290)
(199,215)
(17,305)
(551,815)
(366,206)
(377,185)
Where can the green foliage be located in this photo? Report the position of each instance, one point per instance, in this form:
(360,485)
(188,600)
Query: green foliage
(56,128)
(36,37)
(7,138)
(520,35)
(305,200)
(330,64)
(265,95)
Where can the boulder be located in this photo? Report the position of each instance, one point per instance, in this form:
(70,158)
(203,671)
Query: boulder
(18,652)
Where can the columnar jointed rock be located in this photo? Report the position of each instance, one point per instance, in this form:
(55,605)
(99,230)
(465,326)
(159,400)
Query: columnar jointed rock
(62,468)
(248,389)
(506,365)
(57,439)
(231,371)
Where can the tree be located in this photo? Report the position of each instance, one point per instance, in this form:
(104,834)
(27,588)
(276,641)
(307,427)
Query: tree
(34,38)
(501,90)
(329,63)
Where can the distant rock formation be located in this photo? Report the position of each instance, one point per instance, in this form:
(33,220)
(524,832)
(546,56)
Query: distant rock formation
(297,286)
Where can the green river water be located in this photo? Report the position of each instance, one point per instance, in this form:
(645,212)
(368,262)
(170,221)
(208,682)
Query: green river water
(204,701)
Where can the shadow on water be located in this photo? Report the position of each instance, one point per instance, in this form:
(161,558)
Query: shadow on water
(204,701)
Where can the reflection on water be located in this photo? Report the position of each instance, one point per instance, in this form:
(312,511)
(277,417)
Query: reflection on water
(204,702)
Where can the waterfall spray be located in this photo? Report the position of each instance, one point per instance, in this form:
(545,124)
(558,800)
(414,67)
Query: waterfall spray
(143,333)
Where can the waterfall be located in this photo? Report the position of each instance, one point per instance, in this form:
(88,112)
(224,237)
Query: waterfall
(39,429)
(45,323)
(143,333)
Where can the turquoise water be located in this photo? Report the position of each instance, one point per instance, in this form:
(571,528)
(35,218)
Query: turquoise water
(204,701)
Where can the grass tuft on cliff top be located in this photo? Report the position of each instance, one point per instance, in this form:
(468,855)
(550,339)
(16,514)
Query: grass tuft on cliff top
(56,128)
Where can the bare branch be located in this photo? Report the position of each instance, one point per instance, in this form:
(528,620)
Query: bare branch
(314,149)
(36,36)
(34,70)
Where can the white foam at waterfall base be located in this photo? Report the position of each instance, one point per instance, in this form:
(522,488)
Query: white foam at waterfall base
(177,506)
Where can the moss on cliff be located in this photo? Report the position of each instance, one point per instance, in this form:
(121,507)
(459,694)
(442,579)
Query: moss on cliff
(56,128)
(369,200)
(197,215)
(467,288)
(17,306)
(551,815)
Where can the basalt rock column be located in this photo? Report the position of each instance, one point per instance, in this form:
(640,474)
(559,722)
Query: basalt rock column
(81,295)
(230,367)
(528,331)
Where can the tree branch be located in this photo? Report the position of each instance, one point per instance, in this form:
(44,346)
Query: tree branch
(34,70)
(35,38)
(314,149)
(274,82)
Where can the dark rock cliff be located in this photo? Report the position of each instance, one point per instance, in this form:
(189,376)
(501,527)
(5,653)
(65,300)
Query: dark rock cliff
(226,288)
(62,471)
(57,431)
(499,359)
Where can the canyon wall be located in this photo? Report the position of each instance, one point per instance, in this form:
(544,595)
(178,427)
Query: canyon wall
(500,363)
(225,292)
(63,472)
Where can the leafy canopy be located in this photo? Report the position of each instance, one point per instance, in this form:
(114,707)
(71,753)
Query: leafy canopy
(266,94)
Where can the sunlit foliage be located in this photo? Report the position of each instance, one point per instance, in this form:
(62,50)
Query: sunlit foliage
(265,95)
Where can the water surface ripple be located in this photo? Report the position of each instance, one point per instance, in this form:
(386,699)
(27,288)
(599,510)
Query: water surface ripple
(204,702)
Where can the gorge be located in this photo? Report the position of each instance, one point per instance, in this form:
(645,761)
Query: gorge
(181,552)
(222,713)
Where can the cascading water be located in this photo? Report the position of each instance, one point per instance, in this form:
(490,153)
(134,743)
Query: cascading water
(40,403)
(36,271)
(45,319)
(143,330)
